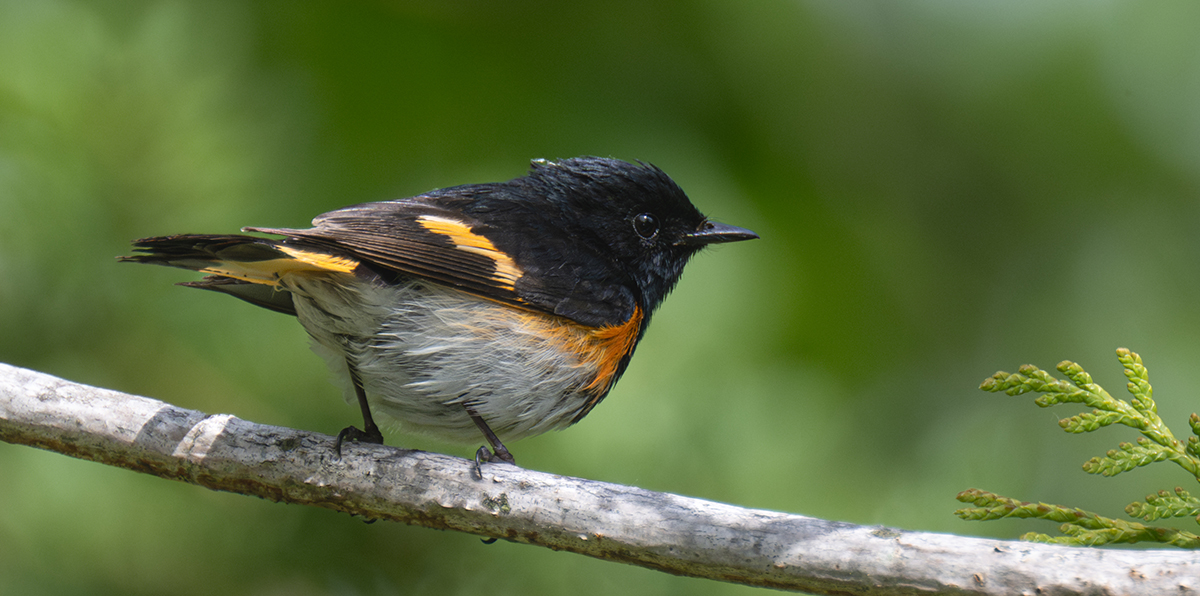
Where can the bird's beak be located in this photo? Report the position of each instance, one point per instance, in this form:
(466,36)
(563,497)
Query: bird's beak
(711,232)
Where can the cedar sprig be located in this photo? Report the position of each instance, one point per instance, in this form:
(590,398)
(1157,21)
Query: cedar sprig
(1157,443)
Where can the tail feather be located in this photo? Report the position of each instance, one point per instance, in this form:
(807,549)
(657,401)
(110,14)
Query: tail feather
(251,259)
(257,294)
(246,267)
(200,251)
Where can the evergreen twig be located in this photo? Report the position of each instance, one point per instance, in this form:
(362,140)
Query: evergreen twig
(1157,443)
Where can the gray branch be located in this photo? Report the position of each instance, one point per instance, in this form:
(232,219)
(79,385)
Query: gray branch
(675,534)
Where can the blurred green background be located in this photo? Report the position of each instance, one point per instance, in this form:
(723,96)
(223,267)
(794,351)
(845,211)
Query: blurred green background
(943,189)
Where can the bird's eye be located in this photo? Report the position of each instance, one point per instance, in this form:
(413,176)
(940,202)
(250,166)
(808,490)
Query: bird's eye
(646,226)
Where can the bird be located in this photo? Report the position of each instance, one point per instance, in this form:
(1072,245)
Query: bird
(503,309)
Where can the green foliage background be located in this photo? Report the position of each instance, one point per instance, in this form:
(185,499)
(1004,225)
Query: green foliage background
(943,189)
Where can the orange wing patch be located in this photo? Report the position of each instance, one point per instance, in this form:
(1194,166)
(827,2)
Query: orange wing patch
(269,271)
(506,270)
(320,261)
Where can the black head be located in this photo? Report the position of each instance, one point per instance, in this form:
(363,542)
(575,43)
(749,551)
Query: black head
(643,218)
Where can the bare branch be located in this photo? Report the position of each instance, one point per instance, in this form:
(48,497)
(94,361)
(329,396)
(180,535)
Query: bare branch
(679,535)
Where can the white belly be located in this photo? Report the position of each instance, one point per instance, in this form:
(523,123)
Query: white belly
(423,350)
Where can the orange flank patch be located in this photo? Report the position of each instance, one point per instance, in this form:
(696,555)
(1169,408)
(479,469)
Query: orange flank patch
(506,270)
(269,271)
(611,344)
(600,347)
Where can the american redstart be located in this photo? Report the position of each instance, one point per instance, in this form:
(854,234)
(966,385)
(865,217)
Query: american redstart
(508,308)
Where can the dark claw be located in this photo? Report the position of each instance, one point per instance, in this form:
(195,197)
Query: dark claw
(497,454)
(480,456)
(488,540)
(500,455)
(351,433)
(483,454)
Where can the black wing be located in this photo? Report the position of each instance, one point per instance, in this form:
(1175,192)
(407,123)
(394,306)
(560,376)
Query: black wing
(522,256)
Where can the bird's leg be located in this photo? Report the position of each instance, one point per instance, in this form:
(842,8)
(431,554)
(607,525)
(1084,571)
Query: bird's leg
(498,453)
(370,433)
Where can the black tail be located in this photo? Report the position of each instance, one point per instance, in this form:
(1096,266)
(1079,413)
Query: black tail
(245,267)
(202,251)
(256,294)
